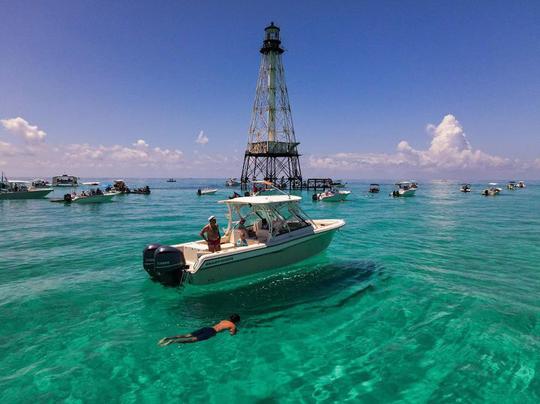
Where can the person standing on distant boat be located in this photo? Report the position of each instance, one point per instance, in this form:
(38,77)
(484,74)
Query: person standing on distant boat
(203,333)
(210,233)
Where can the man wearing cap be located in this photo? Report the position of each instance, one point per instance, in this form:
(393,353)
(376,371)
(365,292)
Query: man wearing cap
(210,233)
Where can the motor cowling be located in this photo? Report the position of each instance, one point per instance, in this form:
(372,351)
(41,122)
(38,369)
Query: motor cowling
(148,259)
(169,265)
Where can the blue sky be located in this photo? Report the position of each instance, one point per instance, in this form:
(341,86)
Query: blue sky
(96,77)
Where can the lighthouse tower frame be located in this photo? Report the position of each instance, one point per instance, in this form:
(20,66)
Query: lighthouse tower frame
(272,149)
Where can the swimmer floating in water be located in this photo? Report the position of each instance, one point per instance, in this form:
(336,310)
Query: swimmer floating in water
(203,333)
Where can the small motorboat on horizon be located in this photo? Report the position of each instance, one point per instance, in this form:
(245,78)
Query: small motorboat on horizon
(206,191)
(331,195)
(65,180)
(403,189)
(18,189)
(232,182)
(492,190)
(92,196)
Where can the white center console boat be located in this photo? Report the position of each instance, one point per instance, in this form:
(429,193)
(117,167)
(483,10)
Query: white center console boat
(263,233)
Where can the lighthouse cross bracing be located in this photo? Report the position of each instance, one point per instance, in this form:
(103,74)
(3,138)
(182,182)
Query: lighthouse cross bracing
(272,149)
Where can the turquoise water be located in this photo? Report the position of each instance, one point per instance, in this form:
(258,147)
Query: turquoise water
(432,298)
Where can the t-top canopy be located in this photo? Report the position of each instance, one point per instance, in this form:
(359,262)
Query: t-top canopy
(262,200)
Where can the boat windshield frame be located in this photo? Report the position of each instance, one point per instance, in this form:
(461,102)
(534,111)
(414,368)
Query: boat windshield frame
(405,185)
(283,216)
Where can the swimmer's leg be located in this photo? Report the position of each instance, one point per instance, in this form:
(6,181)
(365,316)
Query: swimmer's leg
(175,339)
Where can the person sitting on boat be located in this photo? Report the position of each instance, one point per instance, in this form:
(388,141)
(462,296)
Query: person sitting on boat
(277,225)
(242,233)
(210,233)
(203,333)
(262,231)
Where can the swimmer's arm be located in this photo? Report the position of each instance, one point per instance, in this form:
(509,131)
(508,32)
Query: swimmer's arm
(232,329)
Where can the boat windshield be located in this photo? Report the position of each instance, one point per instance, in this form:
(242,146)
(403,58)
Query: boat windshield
(276,218)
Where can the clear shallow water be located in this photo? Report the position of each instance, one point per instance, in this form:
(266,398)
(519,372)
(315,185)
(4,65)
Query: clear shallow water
(432,298)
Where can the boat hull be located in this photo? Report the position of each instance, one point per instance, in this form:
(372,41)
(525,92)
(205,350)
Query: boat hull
(261,260)
(337,197)
(407,193)
(34,194)
(208,192)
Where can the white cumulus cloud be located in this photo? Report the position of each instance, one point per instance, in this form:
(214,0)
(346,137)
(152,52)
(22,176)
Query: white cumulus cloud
(449,150)
(21,127)
(140,143)
(140,154)
(202,138)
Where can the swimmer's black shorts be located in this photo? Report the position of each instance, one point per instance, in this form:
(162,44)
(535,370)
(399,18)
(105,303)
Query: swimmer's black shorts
(204,333)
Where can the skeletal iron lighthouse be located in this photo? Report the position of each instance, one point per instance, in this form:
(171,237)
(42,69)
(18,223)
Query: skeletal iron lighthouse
(272,149)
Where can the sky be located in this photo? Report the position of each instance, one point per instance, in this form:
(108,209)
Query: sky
(378,89)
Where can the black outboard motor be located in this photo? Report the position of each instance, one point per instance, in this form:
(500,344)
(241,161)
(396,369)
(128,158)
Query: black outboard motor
(67,198)
(169,265)
(148,259)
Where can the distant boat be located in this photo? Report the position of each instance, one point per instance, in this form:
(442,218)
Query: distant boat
(92,183)
(171,180)
(520,184)
(332,195)
(511,185)
(120,187)
(374,188)
(85,197)
(206,191)
(403,189)
(465,188)
(142,191)
(232,182)
(492,190)
(40,183)
(65,181)
(20,190)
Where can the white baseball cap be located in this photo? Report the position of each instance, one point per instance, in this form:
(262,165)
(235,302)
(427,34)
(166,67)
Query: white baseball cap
(211,217)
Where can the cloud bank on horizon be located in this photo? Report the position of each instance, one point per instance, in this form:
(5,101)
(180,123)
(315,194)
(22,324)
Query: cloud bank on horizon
(449,152)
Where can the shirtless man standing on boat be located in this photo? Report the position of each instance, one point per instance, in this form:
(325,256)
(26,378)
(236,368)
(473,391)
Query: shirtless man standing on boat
(210,233)
(203,333)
